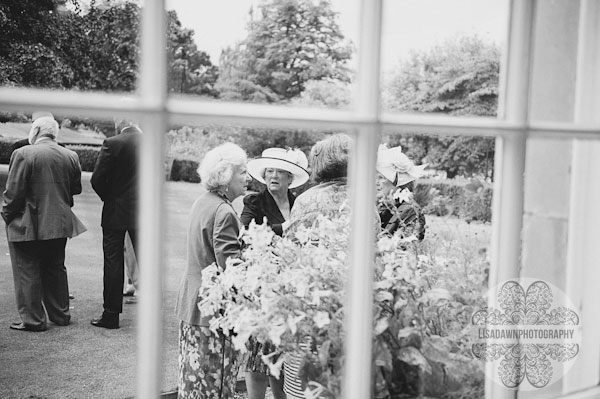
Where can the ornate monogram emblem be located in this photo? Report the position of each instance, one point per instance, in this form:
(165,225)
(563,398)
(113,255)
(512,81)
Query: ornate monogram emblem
(526,335)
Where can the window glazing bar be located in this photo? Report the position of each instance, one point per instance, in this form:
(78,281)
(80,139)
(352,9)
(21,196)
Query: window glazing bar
(583,252)
(109,105)
(359,296)
(507,214)
(152,91)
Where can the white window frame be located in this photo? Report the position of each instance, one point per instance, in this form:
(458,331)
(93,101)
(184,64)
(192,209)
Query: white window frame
(156,110)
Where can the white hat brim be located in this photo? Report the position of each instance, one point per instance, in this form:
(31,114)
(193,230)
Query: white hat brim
(256,168)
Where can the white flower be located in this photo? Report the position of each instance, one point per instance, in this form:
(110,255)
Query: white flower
(402,195)
(381,325)
(321,319)
(275,333)
(315,392)
(274,368)
(292,322)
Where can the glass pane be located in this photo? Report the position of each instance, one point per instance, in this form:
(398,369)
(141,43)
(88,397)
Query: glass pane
(77,359)
(442,56)
(280,52)
(432,265)
(289,290)
(70,45)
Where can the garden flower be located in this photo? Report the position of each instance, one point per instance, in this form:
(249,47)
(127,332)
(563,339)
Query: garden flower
(321,319)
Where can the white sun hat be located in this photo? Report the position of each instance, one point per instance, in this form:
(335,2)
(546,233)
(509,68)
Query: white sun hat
(293,161)
(395,166)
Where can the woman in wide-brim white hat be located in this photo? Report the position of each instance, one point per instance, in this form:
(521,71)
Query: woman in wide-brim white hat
(396,173)
(279,170)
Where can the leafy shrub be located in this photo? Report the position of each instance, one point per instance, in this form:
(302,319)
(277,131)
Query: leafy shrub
(87,156)
(477,206)
(6,145)
(454,198)
(17,117)
(184,170)
(287,289)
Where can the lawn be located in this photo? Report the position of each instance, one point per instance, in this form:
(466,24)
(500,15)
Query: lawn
(65,135)
(81,361)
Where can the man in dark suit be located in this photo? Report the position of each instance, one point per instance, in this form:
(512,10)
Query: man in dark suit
(115,180)
(42,179)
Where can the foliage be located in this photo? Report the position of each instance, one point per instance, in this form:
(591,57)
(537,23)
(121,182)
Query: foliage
(93,50)
(190,70)
(459,77)
(452,198)
(193,142)
(6,149)
(289,43)
(184,170)
(325,93)
(291,291)
(87,156)
(28,55)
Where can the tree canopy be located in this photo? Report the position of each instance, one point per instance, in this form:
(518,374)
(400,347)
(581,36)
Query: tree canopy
(458,77)
(93,50)
(289,43)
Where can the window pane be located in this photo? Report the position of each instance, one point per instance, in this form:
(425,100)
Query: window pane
(442,56)
(432,265)
(77,360)
(296,53)
(290,288)
(70,45)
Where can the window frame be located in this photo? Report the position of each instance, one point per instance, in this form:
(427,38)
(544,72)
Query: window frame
(157,111)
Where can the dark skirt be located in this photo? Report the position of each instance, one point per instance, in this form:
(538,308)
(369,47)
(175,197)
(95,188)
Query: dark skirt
(208,364)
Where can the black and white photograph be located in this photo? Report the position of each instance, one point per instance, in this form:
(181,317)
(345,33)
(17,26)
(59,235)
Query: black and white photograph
(300,199)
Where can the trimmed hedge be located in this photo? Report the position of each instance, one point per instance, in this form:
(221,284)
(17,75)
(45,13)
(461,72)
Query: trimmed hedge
(184,170)
(6,149)
(87,153)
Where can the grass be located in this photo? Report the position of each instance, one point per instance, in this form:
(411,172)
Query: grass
(84,362)
(81,361)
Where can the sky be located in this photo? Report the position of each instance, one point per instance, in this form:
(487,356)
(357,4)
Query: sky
(407,24)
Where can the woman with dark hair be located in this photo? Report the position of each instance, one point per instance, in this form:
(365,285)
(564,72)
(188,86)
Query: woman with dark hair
(328,160)
(329,164)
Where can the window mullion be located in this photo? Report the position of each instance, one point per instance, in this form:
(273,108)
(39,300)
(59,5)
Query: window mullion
(359,296)
(507,217)
(583,276)
(152,92)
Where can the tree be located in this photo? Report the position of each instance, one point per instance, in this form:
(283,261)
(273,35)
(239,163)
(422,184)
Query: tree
(27,51)
(459,78)
(325,93)
(289,43)
(190,70)
(92,49)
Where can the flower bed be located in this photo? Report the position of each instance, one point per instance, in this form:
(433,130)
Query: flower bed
(286,290)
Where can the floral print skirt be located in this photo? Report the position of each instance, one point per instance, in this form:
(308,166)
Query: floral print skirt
(208,364)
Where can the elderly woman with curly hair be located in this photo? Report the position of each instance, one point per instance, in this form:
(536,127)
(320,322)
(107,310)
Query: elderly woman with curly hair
(207,361)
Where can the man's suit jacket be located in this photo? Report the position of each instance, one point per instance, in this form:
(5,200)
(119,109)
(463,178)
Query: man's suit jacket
(115,179)
(42,180)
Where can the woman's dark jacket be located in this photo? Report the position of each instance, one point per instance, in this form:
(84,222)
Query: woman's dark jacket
(260,205)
